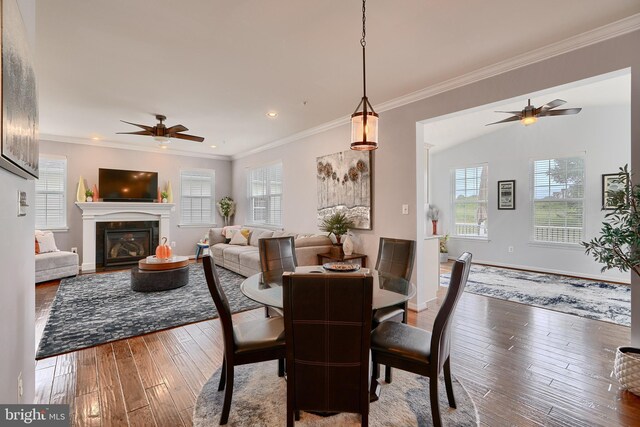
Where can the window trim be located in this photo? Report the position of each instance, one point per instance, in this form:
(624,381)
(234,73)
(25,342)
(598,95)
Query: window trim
(249,211)
(65,225)
(214,216)
(546,243)
(452,193)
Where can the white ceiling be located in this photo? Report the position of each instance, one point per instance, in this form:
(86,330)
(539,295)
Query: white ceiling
(218,66)
(613,89)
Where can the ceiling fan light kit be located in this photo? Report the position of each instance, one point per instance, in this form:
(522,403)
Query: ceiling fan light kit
(530,114)
(364,124)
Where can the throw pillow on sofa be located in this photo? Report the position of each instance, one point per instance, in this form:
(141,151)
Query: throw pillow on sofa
(240,238)
(46,242)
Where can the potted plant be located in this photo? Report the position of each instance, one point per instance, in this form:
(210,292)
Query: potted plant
(337,224)
(226,207)
(617,247)
(444,250)
(164,196)
(89,195)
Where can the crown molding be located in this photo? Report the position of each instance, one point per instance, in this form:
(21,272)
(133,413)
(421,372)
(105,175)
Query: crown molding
(124,146)
(591,37)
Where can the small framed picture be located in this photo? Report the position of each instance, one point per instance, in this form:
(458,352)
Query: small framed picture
(611,183)
(507,195)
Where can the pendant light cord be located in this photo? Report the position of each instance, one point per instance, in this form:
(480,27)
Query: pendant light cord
(363,43)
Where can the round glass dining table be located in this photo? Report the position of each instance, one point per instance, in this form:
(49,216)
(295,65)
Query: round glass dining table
(388,290)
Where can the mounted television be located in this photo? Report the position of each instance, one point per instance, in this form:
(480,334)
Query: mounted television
(117,185)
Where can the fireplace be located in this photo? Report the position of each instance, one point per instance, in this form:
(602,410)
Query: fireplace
(121,243)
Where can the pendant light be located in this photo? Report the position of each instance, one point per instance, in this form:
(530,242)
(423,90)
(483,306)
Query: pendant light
(364,123)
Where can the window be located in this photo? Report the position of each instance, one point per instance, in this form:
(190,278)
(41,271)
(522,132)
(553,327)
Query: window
(470,201)
(265,195)
(51,201)
(558,200)
(197,197)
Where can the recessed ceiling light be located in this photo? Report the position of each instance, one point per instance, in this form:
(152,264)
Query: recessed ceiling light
(95,138)
(164,147)
(272,114)
(213,146)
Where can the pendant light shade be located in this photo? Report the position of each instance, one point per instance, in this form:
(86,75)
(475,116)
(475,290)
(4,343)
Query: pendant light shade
(364,133)
(364,123)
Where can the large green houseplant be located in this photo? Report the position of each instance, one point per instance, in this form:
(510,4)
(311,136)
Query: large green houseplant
(337,224)
(618,246)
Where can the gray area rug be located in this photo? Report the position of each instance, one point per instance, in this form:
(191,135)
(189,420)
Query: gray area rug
(97,308)
(586,298)
(260,399)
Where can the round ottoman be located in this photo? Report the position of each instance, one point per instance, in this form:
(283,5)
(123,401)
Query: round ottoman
(158,280)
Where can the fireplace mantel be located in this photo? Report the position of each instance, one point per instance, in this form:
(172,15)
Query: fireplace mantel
(93,212)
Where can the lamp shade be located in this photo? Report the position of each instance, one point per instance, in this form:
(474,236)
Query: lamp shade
(364,137)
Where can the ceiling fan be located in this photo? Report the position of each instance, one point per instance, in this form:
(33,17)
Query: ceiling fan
(530,114)
(161,133)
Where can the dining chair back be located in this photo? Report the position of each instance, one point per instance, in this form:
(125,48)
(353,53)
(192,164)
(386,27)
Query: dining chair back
(396,256)
(277,255)
(421,352)
(247,342)
(327,326)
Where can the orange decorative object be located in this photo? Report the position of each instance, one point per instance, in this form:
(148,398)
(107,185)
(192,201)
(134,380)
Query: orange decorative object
(163,251)
(96,196)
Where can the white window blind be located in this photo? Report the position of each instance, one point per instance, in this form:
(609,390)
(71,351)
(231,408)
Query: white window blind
(51,206)
(197,197)
(470,195)
(558,200)
(264,195)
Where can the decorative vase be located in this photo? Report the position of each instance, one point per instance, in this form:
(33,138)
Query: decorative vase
(165,200)
(444,256)
(89,199)
(627,368)
(82,190)
(337,251)
(169,192)
(434,225)
(95,192)
(347,245)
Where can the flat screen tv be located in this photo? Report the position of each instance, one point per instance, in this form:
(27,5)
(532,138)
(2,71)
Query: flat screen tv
(117,185)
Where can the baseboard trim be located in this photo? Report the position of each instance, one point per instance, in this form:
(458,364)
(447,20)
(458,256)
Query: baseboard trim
(419,307)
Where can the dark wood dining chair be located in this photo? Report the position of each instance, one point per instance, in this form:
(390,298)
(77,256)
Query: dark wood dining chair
(395,257)
(277,255)
(247,342)
(328,327)
(421,352)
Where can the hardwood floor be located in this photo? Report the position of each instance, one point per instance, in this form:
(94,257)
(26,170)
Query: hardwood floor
(522,366)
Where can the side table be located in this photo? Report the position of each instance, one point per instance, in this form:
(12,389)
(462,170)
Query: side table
(200,248)
(328,257)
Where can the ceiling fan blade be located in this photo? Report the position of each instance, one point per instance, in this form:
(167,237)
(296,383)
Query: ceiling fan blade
(148,128)
(515,113)
(187,137)
(560,112)
(140,132)
(510,119)
(553,104)
(176,129)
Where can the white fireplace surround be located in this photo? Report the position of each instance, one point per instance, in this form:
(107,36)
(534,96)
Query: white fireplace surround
(93,212)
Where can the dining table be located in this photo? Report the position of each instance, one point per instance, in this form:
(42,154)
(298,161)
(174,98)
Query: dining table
(388,290)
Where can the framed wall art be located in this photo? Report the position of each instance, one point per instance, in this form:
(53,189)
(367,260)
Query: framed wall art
(507,195)
(344,185)
(612,182)
(19,145)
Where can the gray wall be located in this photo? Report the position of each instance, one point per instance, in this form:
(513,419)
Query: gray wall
(85,160)
(17,293)
(395,160)
(601,134)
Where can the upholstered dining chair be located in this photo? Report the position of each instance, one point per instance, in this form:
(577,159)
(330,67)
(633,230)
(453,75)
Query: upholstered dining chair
(247,342)
(328,327)
(421,352)
(277,255)
(395,257)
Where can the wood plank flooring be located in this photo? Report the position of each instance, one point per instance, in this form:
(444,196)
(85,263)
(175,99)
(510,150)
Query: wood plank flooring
(523,366)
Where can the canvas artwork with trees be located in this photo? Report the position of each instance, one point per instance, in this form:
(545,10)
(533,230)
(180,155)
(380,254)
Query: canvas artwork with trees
(344,185)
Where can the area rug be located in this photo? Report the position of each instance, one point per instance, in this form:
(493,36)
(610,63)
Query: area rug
(586,298)
(97,308)
(260,399)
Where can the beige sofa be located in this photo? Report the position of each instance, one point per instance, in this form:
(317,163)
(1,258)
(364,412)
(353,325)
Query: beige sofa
(245,260)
